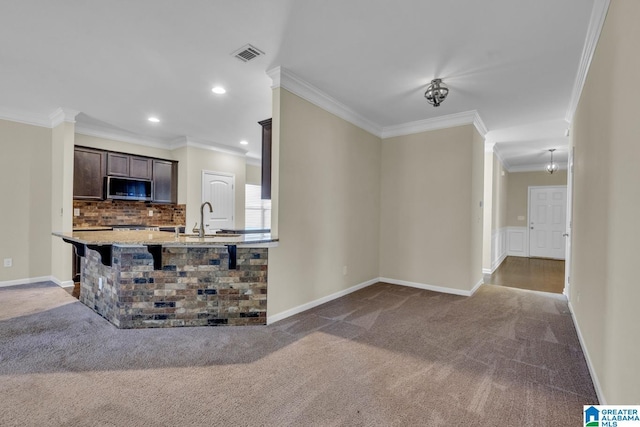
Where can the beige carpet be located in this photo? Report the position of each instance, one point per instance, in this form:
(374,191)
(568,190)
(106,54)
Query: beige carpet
(385,355)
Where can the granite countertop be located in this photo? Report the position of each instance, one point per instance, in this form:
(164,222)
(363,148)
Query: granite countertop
(94,228)
(143,237)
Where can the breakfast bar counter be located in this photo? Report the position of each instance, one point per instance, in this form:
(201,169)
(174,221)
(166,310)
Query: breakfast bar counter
(142,279)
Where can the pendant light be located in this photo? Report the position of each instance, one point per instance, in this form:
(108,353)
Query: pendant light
(552,167)
(436,92)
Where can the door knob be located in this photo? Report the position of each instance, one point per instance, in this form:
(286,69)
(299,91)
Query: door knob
(565,235)
(532,228)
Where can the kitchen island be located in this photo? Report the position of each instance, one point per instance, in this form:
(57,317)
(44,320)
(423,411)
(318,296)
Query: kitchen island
(145,279)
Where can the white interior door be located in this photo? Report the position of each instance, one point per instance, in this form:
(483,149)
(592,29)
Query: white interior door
(219,190)
(547,221)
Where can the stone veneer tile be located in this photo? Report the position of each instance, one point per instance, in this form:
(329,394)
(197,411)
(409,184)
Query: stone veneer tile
(122,212)
(190,290)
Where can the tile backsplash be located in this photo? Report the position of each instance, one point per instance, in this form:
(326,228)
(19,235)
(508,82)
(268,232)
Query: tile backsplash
(121,212)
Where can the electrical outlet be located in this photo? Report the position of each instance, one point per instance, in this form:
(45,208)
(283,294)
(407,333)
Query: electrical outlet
(150,212)
(100,283)
(8,262)
(76,211)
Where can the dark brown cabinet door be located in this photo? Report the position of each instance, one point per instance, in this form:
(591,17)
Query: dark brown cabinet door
(117,164)
(88,174)
(140,167)
(165,181)
(266,158)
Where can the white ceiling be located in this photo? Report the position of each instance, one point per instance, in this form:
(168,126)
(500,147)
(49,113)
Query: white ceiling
(120,61)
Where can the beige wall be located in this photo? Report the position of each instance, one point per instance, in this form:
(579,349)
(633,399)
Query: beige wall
(25,217)
(487,214)
(518,192)
(193,161)
(431,220)
(604,271)
(275,162)
(476,207)
(253,174)
(62,143)
(329,198)
(500,183)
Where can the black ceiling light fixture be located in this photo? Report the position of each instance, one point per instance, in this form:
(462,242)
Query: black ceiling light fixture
(436,92)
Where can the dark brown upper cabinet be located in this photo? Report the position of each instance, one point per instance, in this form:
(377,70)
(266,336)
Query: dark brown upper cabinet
(266,158)
(92,165)
(140,167)
(118,164)
(165,181)
(89,169)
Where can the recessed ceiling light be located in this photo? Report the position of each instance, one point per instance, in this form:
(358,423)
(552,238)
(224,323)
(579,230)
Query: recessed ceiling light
(219,90)
(154,119)
(243,142)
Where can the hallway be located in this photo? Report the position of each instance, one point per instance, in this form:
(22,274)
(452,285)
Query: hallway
(534,274)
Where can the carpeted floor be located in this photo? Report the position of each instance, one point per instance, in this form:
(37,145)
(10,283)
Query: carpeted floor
(385,355)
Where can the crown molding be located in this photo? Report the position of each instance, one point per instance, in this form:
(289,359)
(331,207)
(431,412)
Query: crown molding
(63,115)
(500,158)
(253,161)
(118,136)
(25,117)
(479,124)
(50,121)
(183,141)
(435,123)
(540,167)
(489,146)
(281,77)
(187,141)
(596,22)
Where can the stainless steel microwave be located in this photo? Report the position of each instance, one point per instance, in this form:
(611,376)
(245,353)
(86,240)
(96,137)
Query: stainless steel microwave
(119,188)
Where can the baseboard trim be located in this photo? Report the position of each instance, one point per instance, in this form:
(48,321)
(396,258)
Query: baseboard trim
(594,376)
(28,281)
(498,262)
(431,287)
(476,286)
(304,307)
(62,283)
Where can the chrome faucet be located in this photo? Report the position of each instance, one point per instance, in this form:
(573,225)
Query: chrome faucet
(201,231)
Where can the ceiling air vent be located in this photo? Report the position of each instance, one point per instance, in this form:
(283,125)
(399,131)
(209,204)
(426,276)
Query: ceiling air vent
(247,53)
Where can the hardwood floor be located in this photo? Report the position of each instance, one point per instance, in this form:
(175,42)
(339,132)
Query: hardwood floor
(75,291)
(535,274)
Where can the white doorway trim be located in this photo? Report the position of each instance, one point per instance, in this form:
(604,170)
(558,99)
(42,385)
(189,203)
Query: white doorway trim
(568,233)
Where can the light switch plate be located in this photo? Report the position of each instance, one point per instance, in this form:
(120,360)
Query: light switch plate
(8,262)
(76,211)
(150,212)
